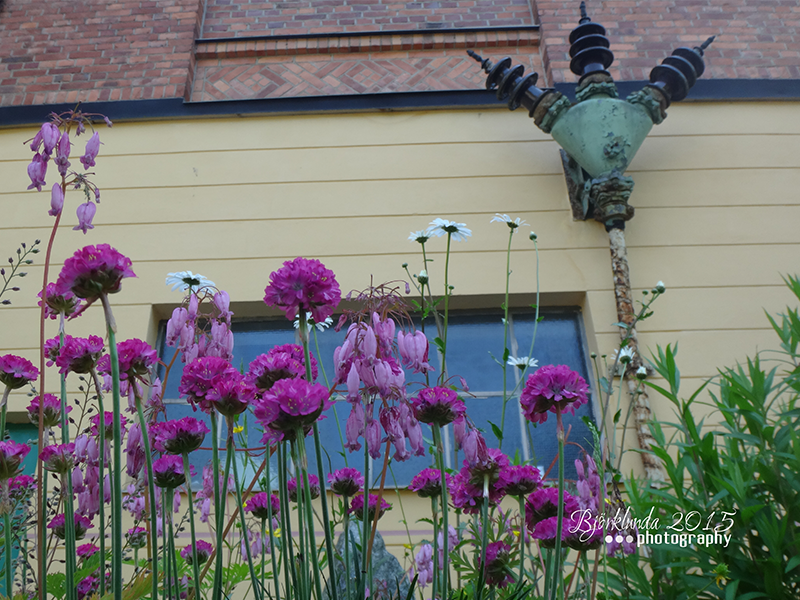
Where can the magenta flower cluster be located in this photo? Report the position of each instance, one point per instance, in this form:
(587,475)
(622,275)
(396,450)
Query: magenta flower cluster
(428,483)
(281,362)
(290,404)
(438,406)
(260,505)
(357,507)
(179,436)
(79,355)
(16,372)
(204,550)
(295,484)
(553,388)
(303,285)
(51,410)
(94,271)
(56,305)
(346,482)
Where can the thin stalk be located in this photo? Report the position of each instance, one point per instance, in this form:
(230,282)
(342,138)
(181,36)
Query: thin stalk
(586,577)
(364,524)
(7,547)
(347,546)
(434,513)
(151,492)
(443,376)
(521,539)
(558,589)
(320,468)
(264,554)
(195,566)
(437,440)
(286,530)
(248,552)
(165,549)
(116,489)
(303,460)
(172,556)
(484,531)
(69,534)
(271,529)
(101,443)
(4,401)
(505,335)
(217,590)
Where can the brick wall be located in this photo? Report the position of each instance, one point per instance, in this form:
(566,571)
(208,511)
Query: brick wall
(756,39)
(226,18)
(95,50)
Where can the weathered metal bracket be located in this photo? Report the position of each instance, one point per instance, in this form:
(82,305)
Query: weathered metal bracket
(576,180)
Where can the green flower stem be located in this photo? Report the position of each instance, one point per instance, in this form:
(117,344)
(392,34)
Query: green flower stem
(312,537)
(116,489)
(195,566)
(305,590)
(320,468)
(521,500)
(586,577)
(271,530)
(248,552)
(364,525)
(347,546)
(165,549)
(443,376)
(484,535)
(151,491)
(4,401)
(171,543)
(217,589)
(437,440)
(505,336)
(69,534)
(290,573)
(264,554)
(558,588)
(435,514)
(101,444)
(9,572)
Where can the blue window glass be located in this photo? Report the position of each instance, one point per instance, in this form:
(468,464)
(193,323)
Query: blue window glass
(475,344)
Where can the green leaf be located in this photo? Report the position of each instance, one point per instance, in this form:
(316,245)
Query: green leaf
(56,585)
(506,354)
(439,343)
(497,432)
(617,415)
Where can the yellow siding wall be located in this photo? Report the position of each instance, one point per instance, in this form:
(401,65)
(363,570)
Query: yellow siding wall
(716,203)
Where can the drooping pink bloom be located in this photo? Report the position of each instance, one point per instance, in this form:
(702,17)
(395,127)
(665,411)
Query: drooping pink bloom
(423,566)
(438,406)
(220,343)
(552,388)
(85,212)
(87,550)
(281,362)
(168,472)
(519,480)
(303,285)
(411,428)
(497,570)
(92,148)
(49,138)
(16,372)
(11,456)
(136,537)
(56,304)
(428,483)
(204,550)
(58,458)
(588,484)
(546,531)
(231,395)
(199,378)
(384,332)
(294,483)
(390,420)
(136,357)
(543,504)
(205,496)
(82,525)
(56,200)
(108,424)
(355,427)
(372,436)
(291,404)
(357,507)
(262,504)
(452,542)
(93,271)
(79,355)
(413,349)
(134,451)
(178,436)
(62,154)
(37,171)
(346,482)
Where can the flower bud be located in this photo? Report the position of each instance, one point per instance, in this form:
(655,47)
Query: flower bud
(533,236)
(423,277)
(641,373)
(56,200)
(660,287)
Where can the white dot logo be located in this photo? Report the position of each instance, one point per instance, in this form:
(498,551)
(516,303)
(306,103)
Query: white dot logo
(609,539)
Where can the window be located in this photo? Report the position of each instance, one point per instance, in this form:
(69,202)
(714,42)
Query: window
(471,338)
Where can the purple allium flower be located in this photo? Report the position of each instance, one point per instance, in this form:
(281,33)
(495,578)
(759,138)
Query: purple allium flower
(56,304)
(137,537)
(438,406)
(357,507)
(15,371)
(168,472)
(135,358)
(231,395)
(423,565)
(79,355)
(178,436)
(204,550)
(56,200)
(346,482)
(583,533)
(199,378)
(93,271)
(428,483)
(413,349)
(11,456)
(293,484)
(58,458)
(553,388)
(492,463)
(497,570)
(37,171)
(546,531)
(303,285)
(108,424)
(52,349)
(260,505)
(291,404)
(87,587)
(281,362)
(543,504)
(82,525)
(92,148)
(51,410)
(469,497)
(87,550)
(85,213)
(519,480)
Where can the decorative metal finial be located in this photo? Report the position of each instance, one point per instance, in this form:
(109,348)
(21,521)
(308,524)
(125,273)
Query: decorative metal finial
(486,64)
(701,48)
(584,16)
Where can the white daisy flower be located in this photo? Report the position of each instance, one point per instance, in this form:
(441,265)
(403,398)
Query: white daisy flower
(625,355)
(523,362)
(512,223)
(310,322)
(458,231)
(186,281)
(419,236)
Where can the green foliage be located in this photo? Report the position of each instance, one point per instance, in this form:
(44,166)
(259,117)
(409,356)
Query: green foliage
(56,585)
(740,478)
